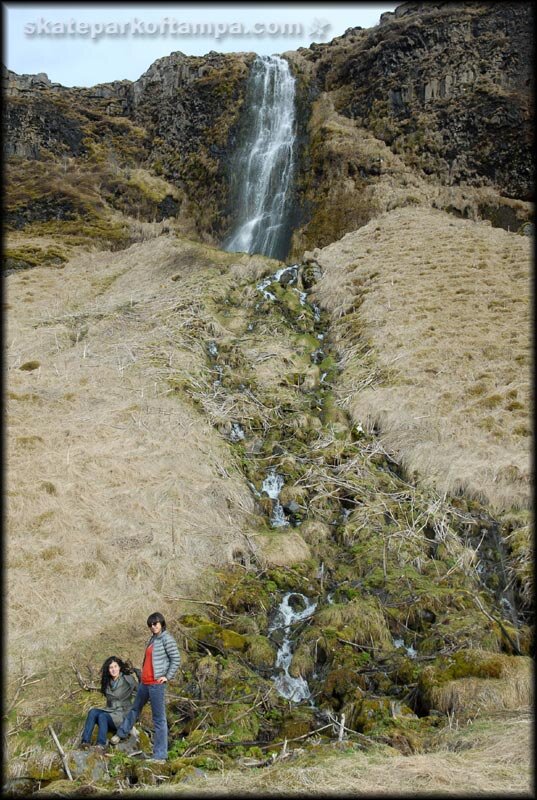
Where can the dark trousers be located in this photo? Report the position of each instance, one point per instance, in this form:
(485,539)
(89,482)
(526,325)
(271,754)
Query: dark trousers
(105,723)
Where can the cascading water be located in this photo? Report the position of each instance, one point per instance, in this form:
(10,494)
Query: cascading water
(293,608)
(272,486)
(263,167)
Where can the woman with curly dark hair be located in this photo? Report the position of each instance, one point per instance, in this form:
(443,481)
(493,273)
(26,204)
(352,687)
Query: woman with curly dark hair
(118,685)
(161,662)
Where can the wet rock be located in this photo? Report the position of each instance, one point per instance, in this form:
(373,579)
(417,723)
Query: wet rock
(167,208)
(297,602)
(310,274)
(90,764)
(286,278)
(277,636)
(292,508)
(254,448)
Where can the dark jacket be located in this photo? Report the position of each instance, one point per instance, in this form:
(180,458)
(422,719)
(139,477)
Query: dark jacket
(120,699)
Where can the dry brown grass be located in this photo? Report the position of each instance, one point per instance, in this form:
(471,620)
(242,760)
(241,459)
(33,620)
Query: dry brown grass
(431,315)
(118,491)
(468,697)
(492,755)
(282,549)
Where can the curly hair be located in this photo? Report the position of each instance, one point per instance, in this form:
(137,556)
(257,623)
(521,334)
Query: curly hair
(105,672)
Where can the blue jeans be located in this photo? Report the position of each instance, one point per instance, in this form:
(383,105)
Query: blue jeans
(96,716)
(155,693)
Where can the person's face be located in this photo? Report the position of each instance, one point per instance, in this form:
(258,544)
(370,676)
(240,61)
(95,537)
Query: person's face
(114,670)
(156,628)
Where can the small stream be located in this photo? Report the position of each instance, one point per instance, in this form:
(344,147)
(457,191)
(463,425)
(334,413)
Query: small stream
(293,608)
(272,486)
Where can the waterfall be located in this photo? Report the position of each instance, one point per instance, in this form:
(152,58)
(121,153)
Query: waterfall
(293,608)
(272,485)
(263,166)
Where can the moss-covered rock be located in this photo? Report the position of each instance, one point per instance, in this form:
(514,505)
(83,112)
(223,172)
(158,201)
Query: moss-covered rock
(476,680)
(296,722)
(240,721)
(361,621)
(213,636)
(260,653)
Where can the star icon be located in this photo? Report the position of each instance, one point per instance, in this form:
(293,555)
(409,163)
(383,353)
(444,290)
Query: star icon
(319,28)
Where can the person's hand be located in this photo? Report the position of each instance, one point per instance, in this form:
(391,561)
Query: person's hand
(162,680)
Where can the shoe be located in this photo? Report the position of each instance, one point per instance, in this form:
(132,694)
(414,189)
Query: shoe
(100,748)
(115,739)
(85,745)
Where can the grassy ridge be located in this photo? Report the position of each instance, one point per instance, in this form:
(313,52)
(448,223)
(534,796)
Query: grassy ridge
(431,316)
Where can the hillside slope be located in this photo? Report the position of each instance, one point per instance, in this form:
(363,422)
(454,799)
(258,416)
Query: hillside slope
(432,318)
(117,490)
(150,394)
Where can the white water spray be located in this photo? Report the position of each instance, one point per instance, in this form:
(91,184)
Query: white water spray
(263,168)
(272,486)
(295,689)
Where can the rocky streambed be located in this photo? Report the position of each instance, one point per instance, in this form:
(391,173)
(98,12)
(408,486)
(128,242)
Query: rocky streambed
(361,599)
(361,605)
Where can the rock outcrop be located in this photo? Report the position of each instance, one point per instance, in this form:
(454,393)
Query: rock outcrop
(432,106)
(437,95)
(190,106)
(176,120)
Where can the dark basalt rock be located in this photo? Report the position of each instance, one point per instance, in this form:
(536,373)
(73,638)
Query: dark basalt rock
(446,86)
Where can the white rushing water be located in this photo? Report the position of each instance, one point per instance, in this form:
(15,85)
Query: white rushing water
(237,432)
(292,275)
(295,689)
(410,649)
(272,486)
(263,167)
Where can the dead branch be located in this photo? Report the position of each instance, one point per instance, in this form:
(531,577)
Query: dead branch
(353,644)
(88,687)
(192,600)
(24,681)
(61,752)
(204,742)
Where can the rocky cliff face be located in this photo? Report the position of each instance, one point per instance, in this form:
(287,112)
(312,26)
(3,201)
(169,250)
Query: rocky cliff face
(190,106)
(437,95)
(175,121)
(432,106)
